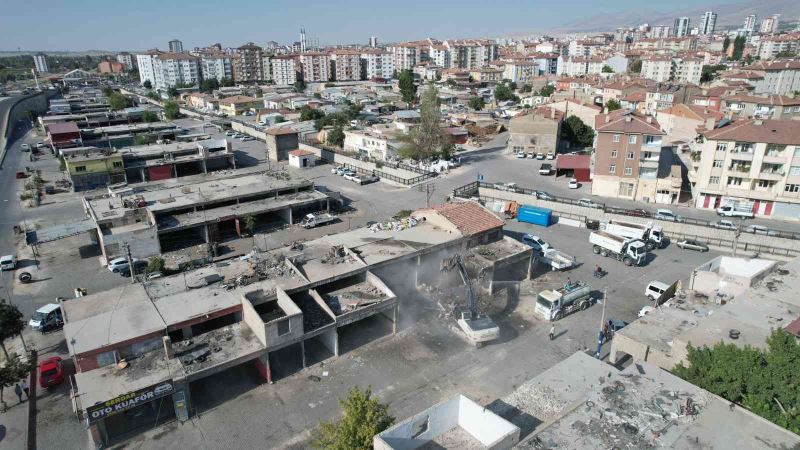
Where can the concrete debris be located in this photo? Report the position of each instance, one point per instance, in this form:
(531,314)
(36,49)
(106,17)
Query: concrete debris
(353,298)
(337,255)
(538,400)
(394,225)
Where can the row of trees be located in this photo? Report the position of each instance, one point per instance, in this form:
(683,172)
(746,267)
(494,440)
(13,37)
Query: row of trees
(14,368)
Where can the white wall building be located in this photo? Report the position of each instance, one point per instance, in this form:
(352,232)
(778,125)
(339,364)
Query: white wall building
(347,64)
(217,65)
(173,68)
(377,63)
(285,69)
(658,69)
(708,22)
(146,69)
(316,67)
(40,61)
(405,56)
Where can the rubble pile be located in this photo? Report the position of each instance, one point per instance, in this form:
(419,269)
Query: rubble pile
(337,255)
(353,298)
(190,352)
(313,315)
(536,400)
(394,225)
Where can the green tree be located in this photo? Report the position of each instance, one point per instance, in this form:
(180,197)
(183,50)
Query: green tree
(763,381)
(171,110)
(476,103)
(738,47)
(172,91)
(11,324)
(11,372)
(107,91)
(149,117)
(725,44)
(209,85)
(299,86)
(226,82)
(427,139)
(710,72)
(547,90)
(407,87)
(613,105)
(155,264)
(153,96)
(607,69)
(147,84)
(363,416)
(118,101)
(526,88)
(336,136)
(249,221)
(636,66)
(309,113)
(577,132)
(503,92)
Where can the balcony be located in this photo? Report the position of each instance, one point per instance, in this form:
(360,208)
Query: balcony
(773,175)
(775,158)
(652,142)
(742,156)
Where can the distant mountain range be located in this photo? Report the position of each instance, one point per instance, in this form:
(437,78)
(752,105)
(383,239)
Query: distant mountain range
(728,14)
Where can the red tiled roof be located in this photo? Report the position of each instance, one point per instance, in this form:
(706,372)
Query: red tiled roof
(63,127)
(469,217)
(300,153)
(622,121)
(783,132)
(794,328)
(573,161)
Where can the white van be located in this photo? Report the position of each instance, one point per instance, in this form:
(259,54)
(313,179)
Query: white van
(8,262)
(46,318)
(655,290)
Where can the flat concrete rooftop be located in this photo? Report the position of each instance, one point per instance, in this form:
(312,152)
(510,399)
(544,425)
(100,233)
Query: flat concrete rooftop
(644,406)
(132,128)
(143,151)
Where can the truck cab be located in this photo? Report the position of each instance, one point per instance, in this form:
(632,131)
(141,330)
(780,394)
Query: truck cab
(554,304)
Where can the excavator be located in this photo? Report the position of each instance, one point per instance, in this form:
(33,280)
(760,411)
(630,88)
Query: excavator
(479,328)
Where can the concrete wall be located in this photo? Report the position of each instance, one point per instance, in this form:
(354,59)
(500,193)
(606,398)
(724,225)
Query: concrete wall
(143,243)
(257,133)
(253,320)
(363,165)
(747,242)
(38,102)
(293,314)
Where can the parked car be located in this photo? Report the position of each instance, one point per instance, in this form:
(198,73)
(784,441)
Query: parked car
(508,187)
(587,203)
(21,175)
(520,155)
(140,267)
(341,170)
(247,138)
(724,225)
(8,262)
(230,133)
(573,183)
(542,195)
(540,155)
(51,372)
(531,155)
(335,170)
(351,176)
(551,155)
(759,229)
(665,214)
(25,147)
(689,244)
(535,242)
(655,290)
(40,145)
(116,264)
(47,318)
(545,169)
(367,179)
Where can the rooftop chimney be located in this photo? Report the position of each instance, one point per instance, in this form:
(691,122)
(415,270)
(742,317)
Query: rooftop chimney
(649,119)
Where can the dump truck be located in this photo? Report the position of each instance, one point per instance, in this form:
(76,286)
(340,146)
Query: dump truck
(651,234)
(555,304)
(315,220)
(629,251)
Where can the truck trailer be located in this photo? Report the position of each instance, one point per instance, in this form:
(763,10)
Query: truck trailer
(629,251)
(554,304)
(651,234)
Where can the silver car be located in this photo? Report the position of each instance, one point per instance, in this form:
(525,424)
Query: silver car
(688,244)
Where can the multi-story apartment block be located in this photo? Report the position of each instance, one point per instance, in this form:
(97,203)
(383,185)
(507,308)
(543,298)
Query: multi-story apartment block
(520,71)
(405,56)
(749,25)
(40,61)
(753,162)
(771,47)
(659,31)
(377,63)
(285,69)
(688,70)
(347,65)
(658,68)
(627,159)
(770,24)
(216,65)
(247,63)
(777,77)
(546,63)
(316,67)
(471,53)
(583,47)
(771,107)
(127,59)
(146,67)
(708,22)
(439,55)
(266,66)
(175,68)
(175,46)
(681,26)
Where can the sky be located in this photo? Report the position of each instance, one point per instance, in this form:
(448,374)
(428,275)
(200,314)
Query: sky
(79,25)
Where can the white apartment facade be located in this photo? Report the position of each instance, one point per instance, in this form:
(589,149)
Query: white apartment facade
(754,163)
(471,53)
(348,65)
(173,68)
(216,66)
(689,70)
(146,66)
(127,59)
(285,69)
(405,56)
(520,71)
(371,145)
(769,48)
(316,67)
(377,64)
(658,69)
(40,61)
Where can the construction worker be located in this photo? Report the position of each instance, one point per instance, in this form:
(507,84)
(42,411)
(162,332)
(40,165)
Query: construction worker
(552,331)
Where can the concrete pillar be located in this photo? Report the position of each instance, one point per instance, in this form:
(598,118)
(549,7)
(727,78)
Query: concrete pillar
(206,234)
(205,167)
(303,352)
(187,332)
(142,171)
(395,317)
(262,364)
(174,169)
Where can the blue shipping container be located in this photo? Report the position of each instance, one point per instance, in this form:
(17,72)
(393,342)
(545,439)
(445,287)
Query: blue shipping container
(534,215)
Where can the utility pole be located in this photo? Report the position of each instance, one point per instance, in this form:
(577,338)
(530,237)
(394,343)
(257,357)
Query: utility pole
(600,334)
(430,188)
(127,249)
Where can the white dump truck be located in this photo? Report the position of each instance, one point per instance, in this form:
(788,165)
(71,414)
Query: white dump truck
(651,234)
(554,304)
(556,259)
(629,251)
(315,220)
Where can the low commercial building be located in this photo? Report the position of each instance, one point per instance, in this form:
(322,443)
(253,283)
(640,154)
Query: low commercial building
(301,159)
(207,208)
(64,135)
(298,309)
(118,136)
(281,141)
(375,145)
(535,131)
(180,159)
(94,170)
(238,104)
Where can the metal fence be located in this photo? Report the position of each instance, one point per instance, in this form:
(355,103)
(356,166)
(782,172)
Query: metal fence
(472,189)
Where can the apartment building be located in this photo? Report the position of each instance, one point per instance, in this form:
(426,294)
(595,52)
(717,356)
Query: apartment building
(769,47)
(216,66)
(471,53)
(658,68)
(145,63)
(688,70)
(681,26)
(127,59)
(659,31)
(778,107)
(751,162)
(583,47)
(777,77)
(520,71)
(285,69)
(370,144)
(247,63)
(404,55)
(629,162)
(347,65)
(316,67)
(171,69)
(377,63)
(439,55)
(266,66)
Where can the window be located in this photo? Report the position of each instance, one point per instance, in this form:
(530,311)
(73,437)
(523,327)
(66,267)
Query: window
(615,138)
(797,152)
(765,183)
(626,189)
(613,153)
(718,162)
(117,164)
(734,181)
(80,168)
(792,188)
(794,170)
(630,155)
(651,139)
(628,171)
(284,327)
(612,168)
(632,139)
(713,180)
(722,146)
